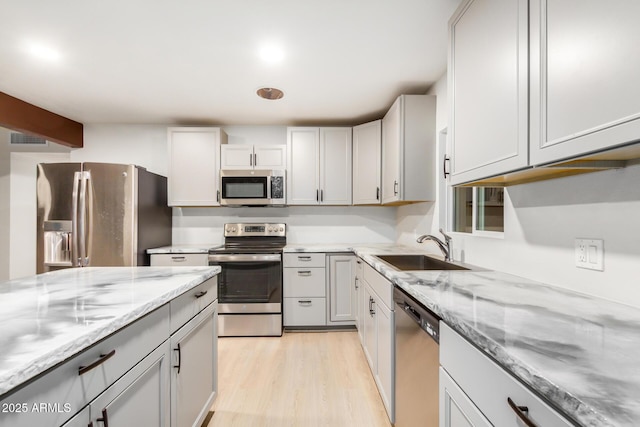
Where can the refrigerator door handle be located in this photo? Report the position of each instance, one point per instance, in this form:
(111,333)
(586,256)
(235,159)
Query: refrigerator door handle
(82,219)
(75,260)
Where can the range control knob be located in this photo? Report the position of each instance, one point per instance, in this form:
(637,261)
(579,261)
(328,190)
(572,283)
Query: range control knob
(281,229)
(270,230)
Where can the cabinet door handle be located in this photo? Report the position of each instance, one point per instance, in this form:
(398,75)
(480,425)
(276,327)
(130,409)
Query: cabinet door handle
(322,195)
(444,166)
(356,282)
(317,195)
(521,413)
(304,273)
(250,159)
(255,160)
(377,193)
(371,309)
(395,188)
(105,419)
(200,294)
(305,302)
(103,358)
(90,424)
(218,196)
(179,357)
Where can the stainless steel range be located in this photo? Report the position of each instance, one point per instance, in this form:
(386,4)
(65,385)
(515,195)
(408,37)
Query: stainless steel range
(250,284)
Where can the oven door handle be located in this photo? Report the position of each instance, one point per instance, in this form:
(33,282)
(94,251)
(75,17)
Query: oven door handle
(244,257)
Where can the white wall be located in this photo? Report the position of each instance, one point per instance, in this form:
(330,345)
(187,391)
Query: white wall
(326,224)
(541,222)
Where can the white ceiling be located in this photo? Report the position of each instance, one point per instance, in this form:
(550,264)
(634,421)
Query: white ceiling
(197,61)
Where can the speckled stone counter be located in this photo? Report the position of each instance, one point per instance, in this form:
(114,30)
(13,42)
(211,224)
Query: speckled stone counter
(50,317)
(184,249)
(579,352)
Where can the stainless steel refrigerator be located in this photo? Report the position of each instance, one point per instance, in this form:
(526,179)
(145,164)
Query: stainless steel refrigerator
(99,214)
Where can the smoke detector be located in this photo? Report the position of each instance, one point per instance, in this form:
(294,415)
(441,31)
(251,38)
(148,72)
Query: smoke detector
(270,93)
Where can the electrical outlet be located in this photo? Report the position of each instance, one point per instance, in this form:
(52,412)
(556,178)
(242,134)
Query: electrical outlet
(589,254)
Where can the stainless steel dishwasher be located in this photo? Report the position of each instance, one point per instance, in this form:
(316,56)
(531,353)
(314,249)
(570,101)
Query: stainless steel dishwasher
(417,362)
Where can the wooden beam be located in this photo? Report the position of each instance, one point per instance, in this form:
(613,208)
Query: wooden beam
(27,118)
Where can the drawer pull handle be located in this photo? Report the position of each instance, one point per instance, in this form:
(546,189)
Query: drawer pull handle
(104,420)
(521,413)
(103,358)
(179,357)
(200,294)
(356,282)
(178,258)
(307,302)
(304,258)
(304,272)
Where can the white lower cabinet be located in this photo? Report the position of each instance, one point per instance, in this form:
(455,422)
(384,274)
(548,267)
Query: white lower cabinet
(378,337)
(342,296)
(304,290)
(475,391)
(318,289)
(140,397)
(194,370)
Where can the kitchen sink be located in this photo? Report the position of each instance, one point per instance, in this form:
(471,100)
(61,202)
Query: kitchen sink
(418,262)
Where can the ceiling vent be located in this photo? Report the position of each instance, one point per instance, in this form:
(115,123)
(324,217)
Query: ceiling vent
(24,139)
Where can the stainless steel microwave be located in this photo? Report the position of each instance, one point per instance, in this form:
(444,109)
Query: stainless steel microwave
(252,188)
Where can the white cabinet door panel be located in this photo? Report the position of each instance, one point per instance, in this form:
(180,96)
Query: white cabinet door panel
(367,163)
(584,72)
(342,295)
(303,184)
(488,84)
(335,166)
(236,156)
(456,409)
(270,156)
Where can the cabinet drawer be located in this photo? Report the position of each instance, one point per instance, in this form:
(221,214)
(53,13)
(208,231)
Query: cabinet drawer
(304,282)
(65,388)
(305,311)
(381,286)
(304,260)
(192,302)
(176,260)
(473,371)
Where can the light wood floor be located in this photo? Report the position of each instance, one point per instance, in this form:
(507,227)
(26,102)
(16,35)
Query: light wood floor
(300,379)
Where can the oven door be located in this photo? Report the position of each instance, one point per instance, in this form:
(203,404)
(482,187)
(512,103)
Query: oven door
(249,283)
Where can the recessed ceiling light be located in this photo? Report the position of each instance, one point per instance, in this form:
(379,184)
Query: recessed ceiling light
(270,93)
(272,53)
(44,52)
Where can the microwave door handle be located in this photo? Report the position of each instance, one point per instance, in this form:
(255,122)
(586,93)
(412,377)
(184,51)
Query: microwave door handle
(74,219)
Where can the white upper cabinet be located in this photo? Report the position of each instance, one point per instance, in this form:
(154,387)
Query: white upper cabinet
(319,166)
(585,65)
(367,166)
(241,156)
(408,150)
(194,165)
(488,84)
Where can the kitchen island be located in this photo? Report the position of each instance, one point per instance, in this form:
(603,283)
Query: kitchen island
(55,320)
(576,351)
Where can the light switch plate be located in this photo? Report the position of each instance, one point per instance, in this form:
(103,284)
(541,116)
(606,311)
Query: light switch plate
(589,254)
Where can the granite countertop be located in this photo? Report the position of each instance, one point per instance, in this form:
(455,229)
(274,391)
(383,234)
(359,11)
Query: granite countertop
(578,351)
(185,249)
(50,317)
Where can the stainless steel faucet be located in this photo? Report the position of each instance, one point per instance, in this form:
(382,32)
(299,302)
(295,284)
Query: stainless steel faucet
(445,246)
